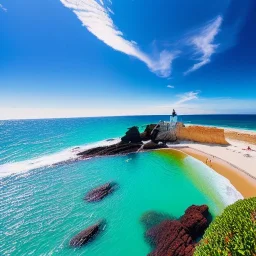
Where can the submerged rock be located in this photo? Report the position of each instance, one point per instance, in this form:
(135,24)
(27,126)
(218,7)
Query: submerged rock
(87,235)
(99,193)
(179,237)
(153,218)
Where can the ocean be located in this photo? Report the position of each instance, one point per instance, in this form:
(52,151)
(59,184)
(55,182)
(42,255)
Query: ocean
(42,204)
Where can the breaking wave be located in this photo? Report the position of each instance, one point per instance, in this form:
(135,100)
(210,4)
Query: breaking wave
(49,160)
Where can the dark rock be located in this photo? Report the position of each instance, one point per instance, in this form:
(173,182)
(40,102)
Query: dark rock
(179,237)
(153,145)
(146,135)
(86,235)
(195,220)
(155,133)
(99,193)
(132,136)
(170,239)
(117,149)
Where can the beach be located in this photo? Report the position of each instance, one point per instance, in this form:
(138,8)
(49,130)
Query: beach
(233,161)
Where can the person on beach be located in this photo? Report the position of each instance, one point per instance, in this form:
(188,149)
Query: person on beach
(248,148)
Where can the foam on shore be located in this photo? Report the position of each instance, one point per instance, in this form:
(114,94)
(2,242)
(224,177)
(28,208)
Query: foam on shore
(213,184)
(69,154)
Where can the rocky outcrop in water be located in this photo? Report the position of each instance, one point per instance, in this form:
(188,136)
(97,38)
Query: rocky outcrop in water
(132,136)
(99,193)
(87,235)
(195,220)
(131,143)
(178,237)
(117,149)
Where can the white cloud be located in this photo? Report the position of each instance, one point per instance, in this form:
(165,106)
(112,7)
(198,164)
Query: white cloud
(101,1)
(203,43)
(188,96)
(110,11)
(97,20)
(4,9)
(170,86)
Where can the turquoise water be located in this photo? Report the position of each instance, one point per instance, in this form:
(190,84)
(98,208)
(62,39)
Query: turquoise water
(26,139)
(42,204)
(43,209)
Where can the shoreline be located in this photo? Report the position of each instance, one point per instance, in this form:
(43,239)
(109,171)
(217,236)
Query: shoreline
(240,179)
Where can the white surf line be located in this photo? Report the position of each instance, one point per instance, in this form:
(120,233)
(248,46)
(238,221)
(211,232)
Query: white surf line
(69,154)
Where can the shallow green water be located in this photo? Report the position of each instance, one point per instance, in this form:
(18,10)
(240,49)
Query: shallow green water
(42,210)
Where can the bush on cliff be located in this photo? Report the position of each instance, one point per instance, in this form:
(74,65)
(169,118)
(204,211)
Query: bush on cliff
(233,233)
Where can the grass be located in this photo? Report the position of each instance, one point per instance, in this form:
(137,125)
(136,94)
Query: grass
(233,233)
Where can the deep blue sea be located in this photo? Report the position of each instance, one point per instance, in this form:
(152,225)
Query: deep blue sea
(42,204)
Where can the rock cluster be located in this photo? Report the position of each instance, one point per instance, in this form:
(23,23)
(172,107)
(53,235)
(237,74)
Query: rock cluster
(178,237)
(99,193)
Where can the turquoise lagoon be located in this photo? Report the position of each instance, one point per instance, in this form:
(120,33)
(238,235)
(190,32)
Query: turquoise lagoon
(42,205)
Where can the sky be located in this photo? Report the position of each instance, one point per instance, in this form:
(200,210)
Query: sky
(68,58)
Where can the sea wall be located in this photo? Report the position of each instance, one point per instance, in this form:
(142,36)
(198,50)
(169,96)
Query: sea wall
(201,134)
(241,136)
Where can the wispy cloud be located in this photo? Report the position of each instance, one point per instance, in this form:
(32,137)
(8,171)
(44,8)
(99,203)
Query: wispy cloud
(188,96)
(96,18)
(170,86)
(203,42)
(4,9)
(110,10)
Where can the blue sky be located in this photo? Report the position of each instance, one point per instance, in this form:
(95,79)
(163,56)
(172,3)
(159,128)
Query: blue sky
(62,58)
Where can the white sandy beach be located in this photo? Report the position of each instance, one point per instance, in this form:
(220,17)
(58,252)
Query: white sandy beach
(235,153)
(233,161)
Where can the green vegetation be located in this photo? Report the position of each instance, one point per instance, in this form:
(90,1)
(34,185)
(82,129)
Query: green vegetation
(233,233)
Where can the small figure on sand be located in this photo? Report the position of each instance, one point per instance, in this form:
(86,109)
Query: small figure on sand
(248,148)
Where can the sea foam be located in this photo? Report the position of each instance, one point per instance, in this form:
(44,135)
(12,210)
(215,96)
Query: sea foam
(49,160)
(213,184)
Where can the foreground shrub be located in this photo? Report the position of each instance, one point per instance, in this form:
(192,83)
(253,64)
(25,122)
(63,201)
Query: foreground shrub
(233,233)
